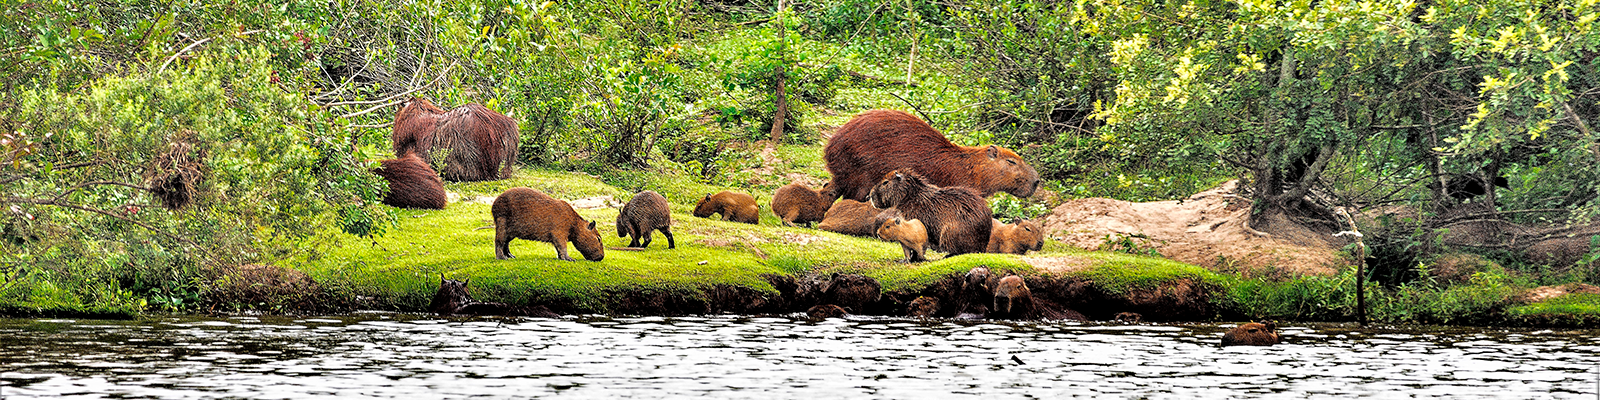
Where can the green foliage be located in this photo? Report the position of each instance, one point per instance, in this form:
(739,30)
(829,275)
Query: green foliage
(1131,243)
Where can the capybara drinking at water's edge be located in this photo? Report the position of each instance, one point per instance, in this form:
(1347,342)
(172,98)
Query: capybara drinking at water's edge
(412,183)
(877,142)
(1012,299)
(528,214)
(1252,334)
(736,207)
(452,298)
(481,143)
(1015,238)
(957,219)
(910,234)
(796,204)
(643,215)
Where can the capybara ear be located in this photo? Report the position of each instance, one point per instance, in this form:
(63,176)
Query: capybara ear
(591,225)
(993,152)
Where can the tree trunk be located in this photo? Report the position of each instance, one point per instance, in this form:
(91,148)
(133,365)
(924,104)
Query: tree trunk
(783,100)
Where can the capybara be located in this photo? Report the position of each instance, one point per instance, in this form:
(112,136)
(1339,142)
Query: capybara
(1016,238)
(1129,317)
(643,215)
(923,307)
(976,292)
(823,311)
(1252,334)
(851,291)
(797,204)
(851,217)
(957,219)
(482,144)
(412,183)
(736,207)
(877,142)
(453,298)
(528,214)
(911,234)
(1012,298)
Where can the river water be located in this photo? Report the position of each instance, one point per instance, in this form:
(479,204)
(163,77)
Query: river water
(381,355)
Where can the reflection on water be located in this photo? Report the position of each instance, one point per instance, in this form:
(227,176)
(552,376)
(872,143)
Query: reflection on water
(404,356)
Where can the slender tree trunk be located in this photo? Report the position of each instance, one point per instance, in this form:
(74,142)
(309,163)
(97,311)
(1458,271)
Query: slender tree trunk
(1435,163)
(783,100)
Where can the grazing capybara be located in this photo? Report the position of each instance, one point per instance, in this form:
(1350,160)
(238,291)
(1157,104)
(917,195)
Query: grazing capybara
(912,236)
(453,298)
(851,217)
(923,307)
(1128,317)
(823,311)
(851,291)
(527,214)
(1012,298)
(957,219)
(643,215)
(796,204)
(1016,238)
(736,207)
(877,142)
(412,183)
(481,143)
(1252,334)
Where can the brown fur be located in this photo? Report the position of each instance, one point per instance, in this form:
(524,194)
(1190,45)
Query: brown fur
(1128,317)
(528,214)
(957,219)
(482,144)
(923,307)
(851,291)
(877,142)
(452,298)
(911,234)
(412,183)
(736,207)
(643,215)
(1015,238)
(851,217)
(1012,299)
(823,311)
(796,204)
(1252,334)
(976,291)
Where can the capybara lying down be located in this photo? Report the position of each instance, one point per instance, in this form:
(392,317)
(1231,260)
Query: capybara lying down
(481,143)
(852,217)
(957,219)
(453,299)
(1012,299)
(412,183)
(877,142)
(910,234)
(1252,334)
(796,204)
(1016,238)
(643,215)
(736,207)
(527,214)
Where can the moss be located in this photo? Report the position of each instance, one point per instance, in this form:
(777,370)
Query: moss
(1123,273)
(1584,304)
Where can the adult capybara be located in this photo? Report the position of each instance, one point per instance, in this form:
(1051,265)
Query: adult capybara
(1252,334)
(1012,298)
(736,207)
(851,217)
(481,143)
(923,307)
(412,183)
(797,204)
(976,292)
(452,298)
(527,214)
(910,234)
(824,311)
(1016,238)
(643,215)
(877,142)
(957,219)
(851,291)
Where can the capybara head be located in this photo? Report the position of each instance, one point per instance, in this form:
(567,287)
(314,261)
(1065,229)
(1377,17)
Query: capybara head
(1013,175)
(1011,296)
(452,294)
(705,207)
(896,187)
(822,311)
(976,280)
(923,307)
(852,291)
(901,230)
(1017,238)
(1252,334)
(588,243)
(1129,317)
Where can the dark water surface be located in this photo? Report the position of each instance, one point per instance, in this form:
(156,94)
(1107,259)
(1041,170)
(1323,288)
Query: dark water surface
(409,356)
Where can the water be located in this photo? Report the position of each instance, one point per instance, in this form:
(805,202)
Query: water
(410,356)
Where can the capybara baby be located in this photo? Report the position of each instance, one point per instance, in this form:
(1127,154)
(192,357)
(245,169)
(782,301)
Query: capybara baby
(957,219)
(412,183)
(1252,334)
(923,307)
(823,311)
(911,234)
(877,142)
(1012,298)
(736,207)
(643,215)
(851,217)
(527,214)
(797,204)
(1016,238)
(481,143)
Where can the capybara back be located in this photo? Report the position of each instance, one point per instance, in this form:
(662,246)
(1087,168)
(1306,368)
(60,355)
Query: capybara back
(412,183)
(645,213)
(877,142)
(736,207)
(796,204)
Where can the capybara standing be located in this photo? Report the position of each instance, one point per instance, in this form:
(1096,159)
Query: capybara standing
(1012,299)
(481,143)
(957,219)
(797,204)
(1016,238)
(1252,334)
(736,207)
(412,183)
(527,214)
(910,234)
(851,217)
(877,142)
(643,215)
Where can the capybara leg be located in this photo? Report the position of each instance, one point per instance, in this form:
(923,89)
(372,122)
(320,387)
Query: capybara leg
(789,217)
(502,241)
(906,251)
(561,249)
(668,231)
(649,236)
(914,254)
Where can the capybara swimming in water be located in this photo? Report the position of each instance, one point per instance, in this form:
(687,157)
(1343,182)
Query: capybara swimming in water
(957,219)
(877,142)
(482,144)
(923,307)
(852,217)
(527,214)
(1016,238)
(1128,317)
(910,234)
(643,215)
(452,298)
(1012,298)
(736,207)
(1252,334)
(412,183)
(796,204)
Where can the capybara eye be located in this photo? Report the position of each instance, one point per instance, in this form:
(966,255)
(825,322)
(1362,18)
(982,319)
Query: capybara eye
(1013,162)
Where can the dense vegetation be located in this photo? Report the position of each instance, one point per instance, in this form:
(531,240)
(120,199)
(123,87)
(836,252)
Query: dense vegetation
(145,146)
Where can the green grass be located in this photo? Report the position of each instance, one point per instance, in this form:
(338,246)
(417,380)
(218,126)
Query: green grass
(1577,304)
